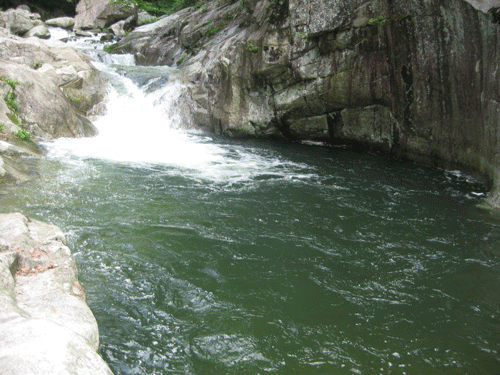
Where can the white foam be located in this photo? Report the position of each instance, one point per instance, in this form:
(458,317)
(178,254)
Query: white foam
(140,128)
(59,33)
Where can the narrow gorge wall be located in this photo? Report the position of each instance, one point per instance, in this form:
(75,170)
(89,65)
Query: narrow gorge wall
(416,78)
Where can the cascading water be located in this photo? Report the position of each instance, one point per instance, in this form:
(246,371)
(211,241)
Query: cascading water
(142,125)
(209,256)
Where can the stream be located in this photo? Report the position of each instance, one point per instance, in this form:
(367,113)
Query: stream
(204,255)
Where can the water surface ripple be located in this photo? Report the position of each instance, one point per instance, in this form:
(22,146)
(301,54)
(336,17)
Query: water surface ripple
(208,256)
(303,260)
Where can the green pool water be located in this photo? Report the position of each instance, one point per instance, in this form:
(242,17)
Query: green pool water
(278,258)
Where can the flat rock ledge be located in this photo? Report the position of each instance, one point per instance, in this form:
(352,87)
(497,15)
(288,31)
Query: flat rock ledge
(46,326)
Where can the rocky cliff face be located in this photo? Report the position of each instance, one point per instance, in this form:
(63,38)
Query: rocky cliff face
(419,79)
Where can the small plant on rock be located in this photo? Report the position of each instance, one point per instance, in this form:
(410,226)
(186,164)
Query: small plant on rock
(214,30)
(252,48)
(110,49)
(10,100)
(179,62)
(198,5)
(22,135)
(11,82)
(376,21)
(74,98)
(148,21)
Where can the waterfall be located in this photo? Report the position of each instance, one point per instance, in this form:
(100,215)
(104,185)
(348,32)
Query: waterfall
(141,126)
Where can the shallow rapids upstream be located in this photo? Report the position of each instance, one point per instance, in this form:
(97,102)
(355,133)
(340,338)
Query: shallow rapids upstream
(202,255)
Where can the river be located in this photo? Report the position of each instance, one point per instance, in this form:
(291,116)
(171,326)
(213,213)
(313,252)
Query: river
(203,255)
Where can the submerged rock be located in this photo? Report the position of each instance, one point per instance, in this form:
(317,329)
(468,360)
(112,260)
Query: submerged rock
(45,325)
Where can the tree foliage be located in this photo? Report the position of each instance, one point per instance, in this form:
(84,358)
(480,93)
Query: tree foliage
(160,7)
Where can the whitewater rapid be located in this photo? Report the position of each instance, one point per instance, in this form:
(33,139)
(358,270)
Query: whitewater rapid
(141,126)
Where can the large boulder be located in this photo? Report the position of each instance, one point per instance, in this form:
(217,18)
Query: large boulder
(19,21)
(40,31)
(48,90)
(120,28)
(43,108)
(22,22)
(141,37)
(95,14)
(45,325)
(62,22)
(57,87)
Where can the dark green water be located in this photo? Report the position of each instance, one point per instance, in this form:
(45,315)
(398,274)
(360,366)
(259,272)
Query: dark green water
(279,258)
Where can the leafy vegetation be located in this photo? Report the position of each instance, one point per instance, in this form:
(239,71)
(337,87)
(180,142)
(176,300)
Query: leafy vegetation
(105,30)
(179,62)
(252,48)
(10,97)
(145,22)
(10,100)
(12,83)
(198,5)
(1,126)
(22,135)
(159,7)
(380,20)
(376,21)
(74,98)
(54,6)
(218,27)
(38,65)
(14,119)
(110,49)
